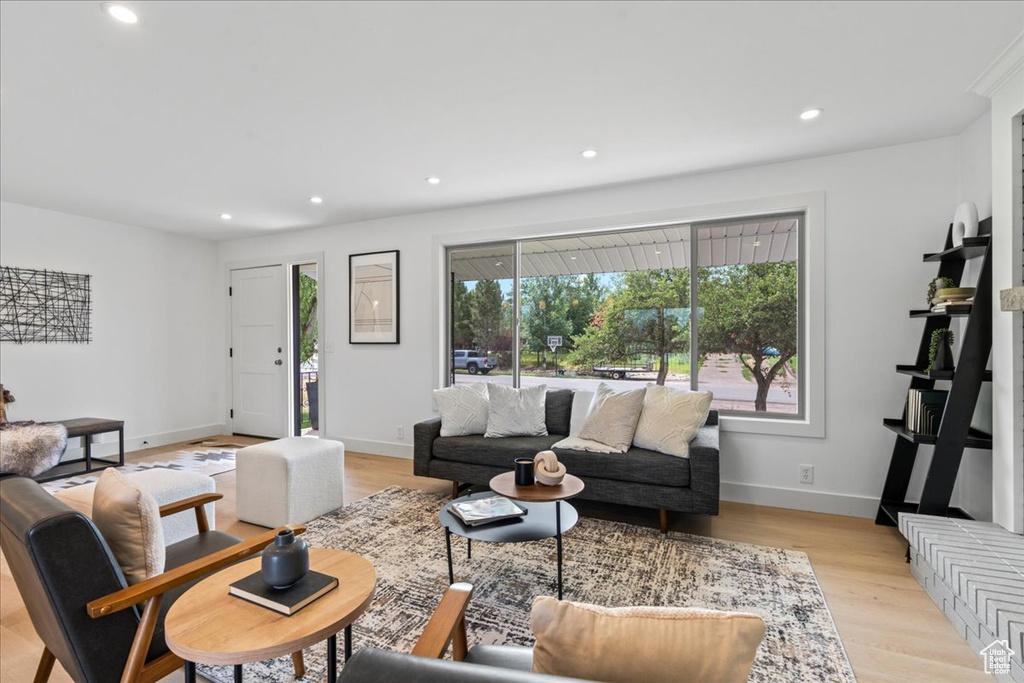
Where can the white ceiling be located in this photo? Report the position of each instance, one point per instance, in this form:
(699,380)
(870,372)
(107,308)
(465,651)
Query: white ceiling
(251,107)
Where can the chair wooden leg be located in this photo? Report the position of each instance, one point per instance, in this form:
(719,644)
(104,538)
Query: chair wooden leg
(143,638)
(299,664)
(45,667)
(455,489)
(459,644)
(663,518)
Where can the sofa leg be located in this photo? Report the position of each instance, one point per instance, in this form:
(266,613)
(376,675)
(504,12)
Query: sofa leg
(455,489)
(663,518)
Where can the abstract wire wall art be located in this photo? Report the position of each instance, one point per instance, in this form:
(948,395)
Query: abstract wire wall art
(44,306)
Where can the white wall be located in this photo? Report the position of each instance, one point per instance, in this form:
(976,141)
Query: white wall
(156,328)
(884,208)
(974,483)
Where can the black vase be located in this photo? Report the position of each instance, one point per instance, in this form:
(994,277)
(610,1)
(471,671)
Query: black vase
(286,561)
(943,355)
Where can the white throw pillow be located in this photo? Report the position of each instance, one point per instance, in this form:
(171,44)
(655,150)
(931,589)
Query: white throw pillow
(516,412)
(671,418)
(463,409)
(581,401)
(613,416)
(643,644)
(129,519)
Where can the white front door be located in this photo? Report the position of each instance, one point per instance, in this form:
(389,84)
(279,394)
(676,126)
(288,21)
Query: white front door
(259,352)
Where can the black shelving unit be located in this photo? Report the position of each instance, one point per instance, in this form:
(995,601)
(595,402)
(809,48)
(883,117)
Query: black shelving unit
(955,432)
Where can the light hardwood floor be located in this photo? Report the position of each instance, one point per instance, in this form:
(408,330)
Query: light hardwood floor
(891,630)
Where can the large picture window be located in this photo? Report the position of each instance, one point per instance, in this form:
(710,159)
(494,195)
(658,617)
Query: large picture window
(711,306)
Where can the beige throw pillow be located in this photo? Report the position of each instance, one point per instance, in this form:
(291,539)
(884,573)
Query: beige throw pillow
(463,409)
(671,418)
(516,412)
(612,417)
(643,644)
(129,519)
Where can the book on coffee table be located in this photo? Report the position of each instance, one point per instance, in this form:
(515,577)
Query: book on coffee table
(486,510)
(288,600)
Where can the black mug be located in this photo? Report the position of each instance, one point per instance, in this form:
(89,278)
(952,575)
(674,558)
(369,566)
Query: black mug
(524,471)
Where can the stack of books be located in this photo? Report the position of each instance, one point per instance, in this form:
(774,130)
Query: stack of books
(953,306)
(479,511)
(287,601)
(924,410)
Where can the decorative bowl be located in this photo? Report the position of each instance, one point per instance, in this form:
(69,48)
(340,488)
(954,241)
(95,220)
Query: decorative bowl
(956,293)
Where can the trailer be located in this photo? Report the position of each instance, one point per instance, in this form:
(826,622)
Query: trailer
(622,370)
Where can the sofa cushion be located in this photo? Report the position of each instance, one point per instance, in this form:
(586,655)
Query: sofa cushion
(635,465)
(612,416)
(515,412)
(558,407)
(463,409)
(671,418)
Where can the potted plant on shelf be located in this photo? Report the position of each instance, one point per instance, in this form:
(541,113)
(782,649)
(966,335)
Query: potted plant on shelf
(940,351)
(935,285)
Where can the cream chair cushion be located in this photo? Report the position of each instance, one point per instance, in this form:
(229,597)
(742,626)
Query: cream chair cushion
(129,519)
(643,644)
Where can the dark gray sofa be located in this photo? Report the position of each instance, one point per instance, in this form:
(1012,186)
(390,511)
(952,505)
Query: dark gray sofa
(637,477)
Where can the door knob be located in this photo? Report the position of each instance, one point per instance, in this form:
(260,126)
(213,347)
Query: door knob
(278,362)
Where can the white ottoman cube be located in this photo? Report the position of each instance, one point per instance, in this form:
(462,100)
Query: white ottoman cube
(289,481)
(166,486)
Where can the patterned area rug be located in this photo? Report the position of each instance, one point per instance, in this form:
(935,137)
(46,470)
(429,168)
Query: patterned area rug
(209,462)
(606,563)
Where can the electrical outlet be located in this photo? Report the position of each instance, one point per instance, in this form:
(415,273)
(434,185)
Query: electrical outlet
(400,432)
(806,474)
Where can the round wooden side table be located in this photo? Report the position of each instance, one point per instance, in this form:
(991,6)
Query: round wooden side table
(206,625)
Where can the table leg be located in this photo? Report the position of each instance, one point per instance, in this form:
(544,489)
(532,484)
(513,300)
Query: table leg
(448,543)
(120,446)
(558,541)
(190,672)
(348,642)
(238,673)
(469,548)
(332,659)
(87,446)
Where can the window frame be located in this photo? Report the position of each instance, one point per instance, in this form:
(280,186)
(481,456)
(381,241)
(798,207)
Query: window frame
(811,290)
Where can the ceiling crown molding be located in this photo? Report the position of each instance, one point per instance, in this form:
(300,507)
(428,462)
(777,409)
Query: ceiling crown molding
(1005,66)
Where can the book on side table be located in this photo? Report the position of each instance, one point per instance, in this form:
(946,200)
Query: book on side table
(486,510)
(288,600)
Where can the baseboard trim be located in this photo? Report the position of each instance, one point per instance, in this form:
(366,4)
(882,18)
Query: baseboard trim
(106,447)
(386,448)
(796,499)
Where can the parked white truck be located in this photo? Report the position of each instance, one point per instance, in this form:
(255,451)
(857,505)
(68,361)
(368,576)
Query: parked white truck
(473,362)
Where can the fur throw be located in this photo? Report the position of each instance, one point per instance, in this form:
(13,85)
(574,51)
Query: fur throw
(31,448)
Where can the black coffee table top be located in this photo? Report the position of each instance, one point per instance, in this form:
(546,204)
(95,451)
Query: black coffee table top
(536,524)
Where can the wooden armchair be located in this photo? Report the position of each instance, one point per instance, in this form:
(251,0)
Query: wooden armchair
(76,595)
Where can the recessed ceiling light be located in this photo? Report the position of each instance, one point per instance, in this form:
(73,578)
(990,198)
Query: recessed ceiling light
(657,253)
(588,153)
(810,114)
(497,263)
(121,13)
(316,200)
(757,244)
(573,258)
(433,180)
(225,216)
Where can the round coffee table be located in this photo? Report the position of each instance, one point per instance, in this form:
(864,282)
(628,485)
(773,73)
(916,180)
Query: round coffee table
(543,520)
(209,626)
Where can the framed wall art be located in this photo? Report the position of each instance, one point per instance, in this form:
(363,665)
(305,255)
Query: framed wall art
(373,298)
(47,306)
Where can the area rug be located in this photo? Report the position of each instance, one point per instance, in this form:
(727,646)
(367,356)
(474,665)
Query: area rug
(606,563)
(207,461)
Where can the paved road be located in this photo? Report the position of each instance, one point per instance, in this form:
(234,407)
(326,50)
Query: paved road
(724,389)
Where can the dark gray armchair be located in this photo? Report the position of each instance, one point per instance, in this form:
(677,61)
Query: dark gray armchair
(82,608)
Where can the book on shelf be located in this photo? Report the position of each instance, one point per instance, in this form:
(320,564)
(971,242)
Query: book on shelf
(287,601)
(924,410)
(486,510)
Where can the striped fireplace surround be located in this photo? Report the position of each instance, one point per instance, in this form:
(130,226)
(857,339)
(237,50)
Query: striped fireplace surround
(974,571)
